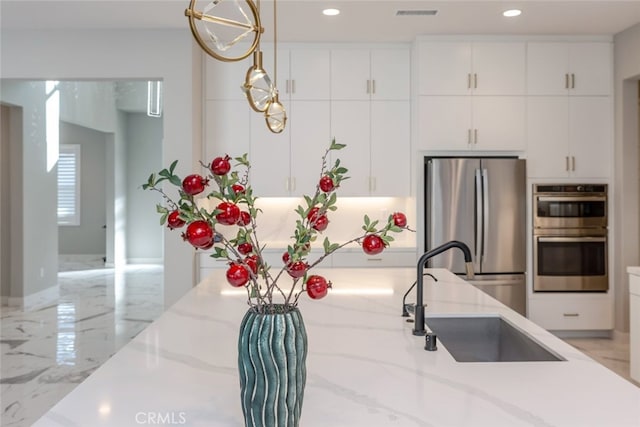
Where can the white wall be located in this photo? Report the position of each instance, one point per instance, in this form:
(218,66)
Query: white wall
(627,211)
(167,55)
(5,252)
(33,189)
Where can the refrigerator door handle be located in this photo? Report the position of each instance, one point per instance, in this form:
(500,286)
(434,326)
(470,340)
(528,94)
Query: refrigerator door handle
(478,217)
(485,211)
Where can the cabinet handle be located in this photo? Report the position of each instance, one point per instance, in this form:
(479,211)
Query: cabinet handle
(372,183)
(475,136)
(571,314)
(469,141)
(374,259)
(373,87)
(573,81)
(475,81)
(293,183)
(566,81)
(288,84)
(286,184)
(293,86)
(468,80)
(368,86)
(573,163)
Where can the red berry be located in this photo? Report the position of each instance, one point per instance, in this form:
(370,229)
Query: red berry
(230,213)
(400,219)
(297,269)
(245,219)
(245,248)
(372,244)
(326,184)
(317,287)
(252,262)
(285,258)
(199,234)
(237,275)
(313,214)
(221,165)
(237,188)
(209,245)
(174,221)
(194,184)
(321,223)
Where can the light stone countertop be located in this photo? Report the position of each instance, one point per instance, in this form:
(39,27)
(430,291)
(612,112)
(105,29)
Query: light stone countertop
(633,270)
(364,368)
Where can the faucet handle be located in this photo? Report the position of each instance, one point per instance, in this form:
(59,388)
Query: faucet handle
(431,342)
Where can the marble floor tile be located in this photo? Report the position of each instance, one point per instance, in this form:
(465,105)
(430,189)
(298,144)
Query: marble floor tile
(47,352)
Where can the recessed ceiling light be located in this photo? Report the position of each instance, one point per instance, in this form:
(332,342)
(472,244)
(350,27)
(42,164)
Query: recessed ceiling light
(331,12)
(511,13)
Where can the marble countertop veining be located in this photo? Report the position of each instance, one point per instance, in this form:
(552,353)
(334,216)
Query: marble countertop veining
(364,368)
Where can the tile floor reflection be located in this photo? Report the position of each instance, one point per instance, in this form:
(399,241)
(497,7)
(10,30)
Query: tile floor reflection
(47,352)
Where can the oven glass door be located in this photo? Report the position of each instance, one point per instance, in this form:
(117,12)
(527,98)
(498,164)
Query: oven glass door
(570,263)
(565,211)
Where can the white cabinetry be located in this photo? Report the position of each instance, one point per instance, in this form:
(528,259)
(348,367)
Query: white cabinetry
(462,68)
(376,74)
(575,68)
(634,322)
(471,95)
(377,135)
(569,137)
(471,122)
(568,312)
(288,164)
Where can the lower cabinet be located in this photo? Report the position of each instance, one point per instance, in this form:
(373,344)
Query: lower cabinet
(634,325)
(345,258)
(572,312)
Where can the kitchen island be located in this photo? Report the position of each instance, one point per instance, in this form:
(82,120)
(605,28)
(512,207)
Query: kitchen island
(364,368)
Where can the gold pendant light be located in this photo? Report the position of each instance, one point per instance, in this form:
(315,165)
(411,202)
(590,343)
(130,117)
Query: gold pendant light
(275,114)
(258,86)
(222,24)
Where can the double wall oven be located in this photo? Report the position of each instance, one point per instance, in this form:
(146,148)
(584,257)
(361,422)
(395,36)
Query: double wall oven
(570,238)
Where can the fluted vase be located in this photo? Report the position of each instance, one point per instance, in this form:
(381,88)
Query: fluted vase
(272,350)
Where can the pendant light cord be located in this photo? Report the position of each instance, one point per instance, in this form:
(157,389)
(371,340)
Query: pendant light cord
(275,47)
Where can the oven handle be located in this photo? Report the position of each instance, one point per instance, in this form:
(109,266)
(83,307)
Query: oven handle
(572,239)
(571,199)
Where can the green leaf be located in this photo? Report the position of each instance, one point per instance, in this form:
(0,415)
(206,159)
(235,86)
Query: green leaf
(336,146)
(173,166)
(161,209)
(175,180)
(342,171)
(395,229)
(163,218)
(367,221)
(326,245)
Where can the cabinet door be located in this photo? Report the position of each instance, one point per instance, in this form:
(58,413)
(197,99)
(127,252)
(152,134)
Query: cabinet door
(270,154)
(498,122)
(350,74)
(499,68)
(283,82)
(547,137)
(350,122)
(390,148)
(223,80)
(444,123)
(226,129)
(590,65)
(310,137)
(444,68)
(310,73)
(547,69)
(590,136)
(390,74)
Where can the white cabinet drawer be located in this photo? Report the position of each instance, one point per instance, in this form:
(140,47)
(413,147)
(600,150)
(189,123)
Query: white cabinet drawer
(572,313)
(388,258)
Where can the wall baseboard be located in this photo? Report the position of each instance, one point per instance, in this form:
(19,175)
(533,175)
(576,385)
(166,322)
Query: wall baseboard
(35,301)
(81,257)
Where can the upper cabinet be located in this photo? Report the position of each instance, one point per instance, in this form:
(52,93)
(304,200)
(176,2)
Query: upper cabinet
(303,73)
(465,68)
(370,74)
(571,68)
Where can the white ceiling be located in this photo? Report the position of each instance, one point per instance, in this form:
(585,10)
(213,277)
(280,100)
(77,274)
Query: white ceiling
(360,20)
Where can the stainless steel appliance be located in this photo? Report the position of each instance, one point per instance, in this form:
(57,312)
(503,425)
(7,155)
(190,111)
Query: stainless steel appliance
(481,202)
(570,247)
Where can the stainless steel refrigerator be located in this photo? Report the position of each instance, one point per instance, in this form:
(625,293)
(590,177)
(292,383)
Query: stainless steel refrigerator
(481,202)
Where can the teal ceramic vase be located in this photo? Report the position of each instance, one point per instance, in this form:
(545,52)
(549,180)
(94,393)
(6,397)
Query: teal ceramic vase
(272,350)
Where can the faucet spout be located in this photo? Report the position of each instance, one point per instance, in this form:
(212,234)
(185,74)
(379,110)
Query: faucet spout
(419,328)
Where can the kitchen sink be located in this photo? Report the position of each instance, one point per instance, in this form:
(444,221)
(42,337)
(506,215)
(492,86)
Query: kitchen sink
(486,339)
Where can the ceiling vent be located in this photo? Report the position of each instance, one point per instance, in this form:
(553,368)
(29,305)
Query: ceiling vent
(416,12)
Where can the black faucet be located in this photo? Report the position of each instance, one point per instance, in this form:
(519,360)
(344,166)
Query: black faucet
(419,328)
